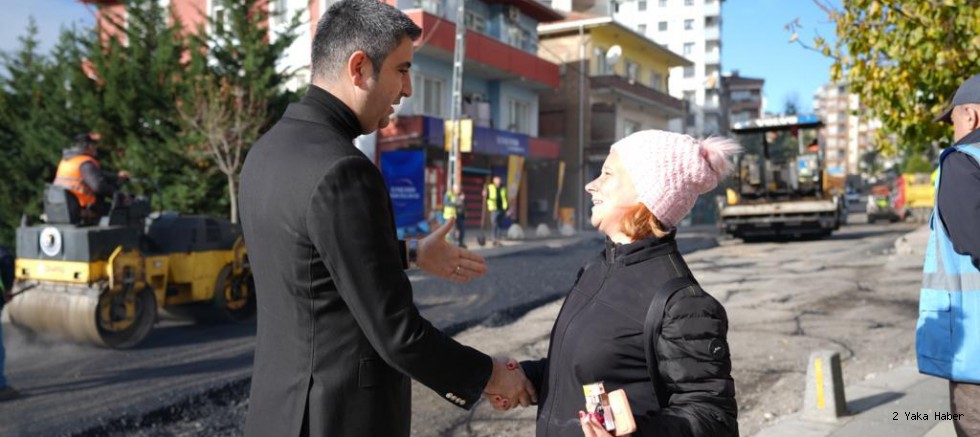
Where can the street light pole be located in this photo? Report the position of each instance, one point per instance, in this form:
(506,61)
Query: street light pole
(454,173)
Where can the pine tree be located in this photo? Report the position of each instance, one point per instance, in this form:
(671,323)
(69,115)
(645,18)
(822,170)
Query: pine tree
(235,85)
(36,122)
(139,73)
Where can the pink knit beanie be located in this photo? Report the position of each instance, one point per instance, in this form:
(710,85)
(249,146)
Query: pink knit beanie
(670,170)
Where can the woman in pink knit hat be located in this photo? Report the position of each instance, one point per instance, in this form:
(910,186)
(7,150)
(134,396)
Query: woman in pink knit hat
(636,319)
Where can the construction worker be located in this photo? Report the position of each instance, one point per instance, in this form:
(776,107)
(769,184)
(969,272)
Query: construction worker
(453,205)
(79,172)
(947,342)
(496,199)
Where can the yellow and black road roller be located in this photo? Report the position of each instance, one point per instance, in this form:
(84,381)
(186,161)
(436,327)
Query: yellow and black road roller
(103,280)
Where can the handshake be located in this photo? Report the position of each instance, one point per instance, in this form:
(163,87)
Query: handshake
(508,386)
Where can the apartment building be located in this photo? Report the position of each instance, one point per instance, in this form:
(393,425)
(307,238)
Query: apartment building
(502,77)
(691,28)
(614,82)
(848,133)
(742,98)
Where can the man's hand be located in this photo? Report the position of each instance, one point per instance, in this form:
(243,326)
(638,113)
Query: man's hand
(439,258)
(508,386)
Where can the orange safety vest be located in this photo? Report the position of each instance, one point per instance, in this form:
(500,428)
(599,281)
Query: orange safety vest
(69,176)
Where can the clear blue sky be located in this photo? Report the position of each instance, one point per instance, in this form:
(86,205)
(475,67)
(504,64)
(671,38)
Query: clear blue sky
(50,15)
(754,40)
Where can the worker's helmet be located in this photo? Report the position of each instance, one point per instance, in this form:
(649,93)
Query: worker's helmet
(81,142)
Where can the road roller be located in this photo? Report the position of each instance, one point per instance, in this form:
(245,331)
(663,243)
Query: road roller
(105,280)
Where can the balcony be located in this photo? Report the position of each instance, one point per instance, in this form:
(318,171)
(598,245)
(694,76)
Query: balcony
(744,106)
(712,103)
(712,33)
(621,87)
(712,9)
(486,58)
(712,57)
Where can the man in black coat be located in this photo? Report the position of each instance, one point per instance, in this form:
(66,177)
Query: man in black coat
(338,333)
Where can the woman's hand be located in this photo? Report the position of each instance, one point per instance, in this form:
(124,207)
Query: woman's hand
(591,426)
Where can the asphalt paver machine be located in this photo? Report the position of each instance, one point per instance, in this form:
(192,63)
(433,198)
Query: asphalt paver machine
(780,188)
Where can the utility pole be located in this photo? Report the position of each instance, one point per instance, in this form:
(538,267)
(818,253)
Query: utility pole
(455,172)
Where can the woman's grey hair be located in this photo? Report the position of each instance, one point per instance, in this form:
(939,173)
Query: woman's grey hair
(371,26)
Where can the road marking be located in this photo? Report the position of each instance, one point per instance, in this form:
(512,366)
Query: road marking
(818,374)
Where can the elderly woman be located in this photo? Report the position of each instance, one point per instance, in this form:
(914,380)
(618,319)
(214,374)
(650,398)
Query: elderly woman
(648,184)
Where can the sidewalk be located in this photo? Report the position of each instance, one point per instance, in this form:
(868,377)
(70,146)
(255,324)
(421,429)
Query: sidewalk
(885,404)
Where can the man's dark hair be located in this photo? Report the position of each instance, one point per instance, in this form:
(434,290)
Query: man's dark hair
(371,26)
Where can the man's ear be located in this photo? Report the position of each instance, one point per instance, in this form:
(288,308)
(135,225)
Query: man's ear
(359,68)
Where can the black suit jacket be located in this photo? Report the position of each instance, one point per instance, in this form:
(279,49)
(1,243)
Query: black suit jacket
(337,327)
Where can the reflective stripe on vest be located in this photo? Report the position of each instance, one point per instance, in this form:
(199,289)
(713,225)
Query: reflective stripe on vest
(449,206)
(492,192)
(947,341)
(69,176)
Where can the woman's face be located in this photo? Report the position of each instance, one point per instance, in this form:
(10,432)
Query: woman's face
(613,195)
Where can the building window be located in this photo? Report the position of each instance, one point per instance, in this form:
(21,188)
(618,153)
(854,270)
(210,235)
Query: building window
(632,70)
(641,29)
(711,70)
(662,3)
(690,96)
(711,98)
(688,2)
(430,94)
(688,24)
(222,20)
(520,117)
(641,5)
(219,13)
(630,127)
(656,81)
(688,48)
(475,22)
(662,26)
(689,71)
(518,37)
(710,22)
(281,10)
(601,66)
(433,7)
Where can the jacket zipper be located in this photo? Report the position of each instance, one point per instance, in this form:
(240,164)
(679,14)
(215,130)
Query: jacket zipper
(561,343)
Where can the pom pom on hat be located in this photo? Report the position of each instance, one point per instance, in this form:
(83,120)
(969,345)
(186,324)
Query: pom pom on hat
(669,170)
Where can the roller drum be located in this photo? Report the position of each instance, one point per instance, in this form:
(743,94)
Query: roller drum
(62,310)
(85,314)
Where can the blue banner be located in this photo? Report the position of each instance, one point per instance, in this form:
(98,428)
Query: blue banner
(497,142)
(404,172)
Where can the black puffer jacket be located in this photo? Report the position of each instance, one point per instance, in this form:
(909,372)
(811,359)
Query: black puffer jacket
(599,337)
